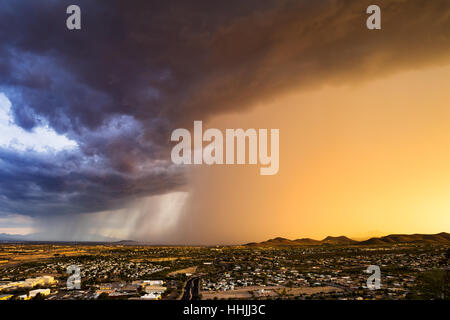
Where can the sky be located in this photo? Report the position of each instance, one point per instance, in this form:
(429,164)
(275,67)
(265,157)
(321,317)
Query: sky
(86,118)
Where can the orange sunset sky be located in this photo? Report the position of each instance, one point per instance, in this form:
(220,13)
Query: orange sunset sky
(360,159)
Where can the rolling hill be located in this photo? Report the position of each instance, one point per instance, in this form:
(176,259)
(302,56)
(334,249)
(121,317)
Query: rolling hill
(439,238)
(342,240)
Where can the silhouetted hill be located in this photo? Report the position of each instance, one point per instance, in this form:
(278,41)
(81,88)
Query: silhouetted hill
(307,241)
(11,237)
(373,241)
(279,242)
(276,242)
(342,240)
(5,237)
(127,242)
(440,238)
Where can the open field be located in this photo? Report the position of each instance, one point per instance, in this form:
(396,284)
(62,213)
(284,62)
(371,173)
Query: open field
(183,271)
(273,291)
(241,293)
(13,255)
(311,290)
(168,259)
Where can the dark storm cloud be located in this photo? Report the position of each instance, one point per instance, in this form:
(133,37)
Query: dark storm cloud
(63,183)
(139,69)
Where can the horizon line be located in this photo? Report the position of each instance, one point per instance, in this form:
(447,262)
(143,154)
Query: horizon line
(143,242)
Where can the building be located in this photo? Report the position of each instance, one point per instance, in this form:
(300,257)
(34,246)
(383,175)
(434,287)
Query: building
(154,289)
(151,296)
(28,283)
(34,293)
(153,282)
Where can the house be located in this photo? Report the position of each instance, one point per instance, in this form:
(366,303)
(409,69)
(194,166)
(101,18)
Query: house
(33,293)
(151,296)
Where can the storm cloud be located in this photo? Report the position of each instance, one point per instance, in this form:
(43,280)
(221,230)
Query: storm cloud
(138,70)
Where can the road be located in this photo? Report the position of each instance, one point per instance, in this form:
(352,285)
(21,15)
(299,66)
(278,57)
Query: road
(191,290)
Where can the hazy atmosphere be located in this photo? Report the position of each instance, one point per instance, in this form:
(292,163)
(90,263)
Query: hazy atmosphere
(86,119)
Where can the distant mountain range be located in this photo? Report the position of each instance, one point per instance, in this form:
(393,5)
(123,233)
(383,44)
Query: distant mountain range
(127,242)
(5,237)
(439,238)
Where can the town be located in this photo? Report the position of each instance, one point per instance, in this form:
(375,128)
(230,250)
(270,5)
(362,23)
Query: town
(139,272)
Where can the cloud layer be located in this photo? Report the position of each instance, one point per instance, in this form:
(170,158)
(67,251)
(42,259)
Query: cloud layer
(137,71)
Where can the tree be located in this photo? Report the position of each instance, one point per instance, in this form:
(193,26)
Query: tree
(103,296)
(39,296)
(433,284)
